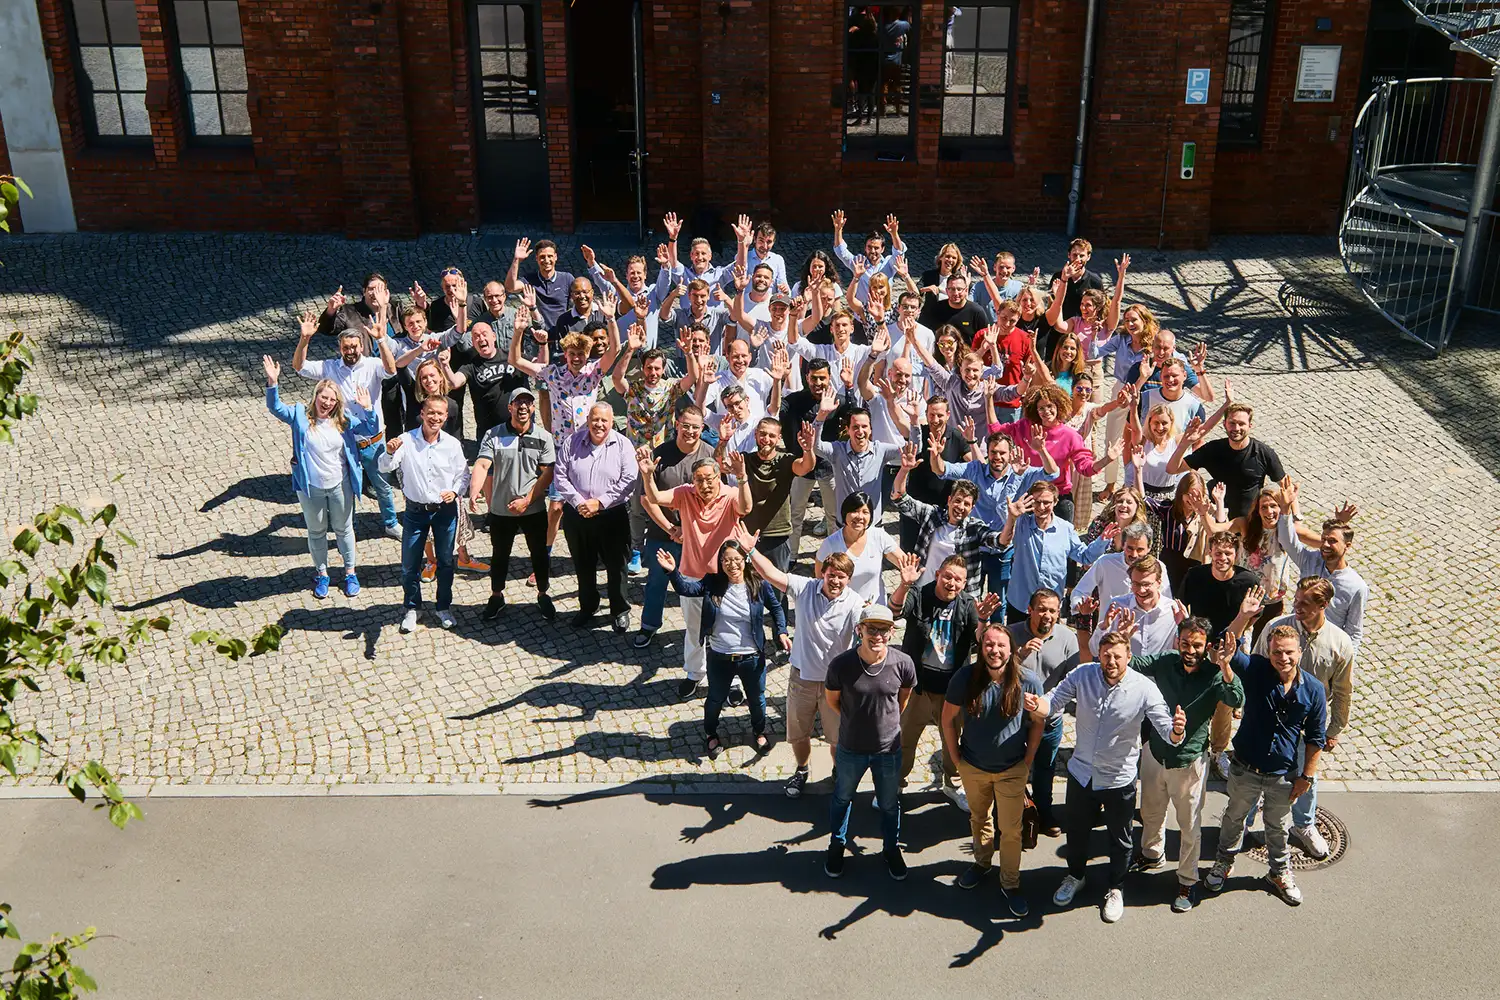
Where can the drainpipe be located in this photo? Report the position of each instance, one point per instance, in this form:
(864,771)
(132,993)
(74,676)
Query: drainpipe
(1075,193)
(1486,172)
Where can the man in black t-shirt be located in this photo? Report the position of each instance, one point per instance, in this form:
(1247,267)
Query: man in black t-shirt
(771,470)
(491,377)
(1242,463)
(1077,277)
(1214,590)
(956,310)
(922,483)
(869,686)
(802,408)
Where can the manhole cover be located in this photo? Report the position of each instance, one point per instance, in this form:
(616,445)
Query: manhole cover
(1333,830)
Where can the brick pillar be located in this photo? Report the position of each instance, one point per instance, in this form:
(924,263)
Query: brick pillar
(374,148)
(737,131)
(557,97)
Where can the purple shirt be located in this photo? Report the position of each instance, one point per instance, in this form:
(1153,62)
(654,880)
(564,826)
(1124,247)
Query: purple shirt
(606,472)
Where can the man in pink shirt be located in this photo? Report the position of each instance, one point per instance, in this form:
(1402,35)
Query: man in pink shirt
(709,511)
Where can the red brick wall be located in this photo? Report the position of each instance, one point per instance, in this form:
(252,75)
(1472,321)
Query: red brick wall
(558,112)
(674,108)
(1294,182)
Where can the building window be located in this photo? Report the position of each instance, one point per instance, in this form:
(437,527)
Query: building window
(880,73)
(1246,73)
(976,79)
(509,93)
(212,55)
(111,70)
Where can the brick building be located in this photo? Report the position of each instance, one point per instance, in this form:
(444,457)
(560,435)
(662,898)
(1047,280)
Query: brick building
(394,117)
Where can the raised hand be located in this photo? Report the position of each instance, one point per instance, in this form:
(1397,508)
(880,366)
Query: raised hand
(1110,531)
(781,363)
(806,438)
(838,220)
(742,229)
(645,460)
(1179,612)
(608,301)
(662,259)
(636,336)
(362,397)
(523,248)
(336,301)
(1115,450)
(741,278)
(1020,505)
(540,335)
(988,605)
(588,255)
(1036,276)
(745,539)
(828,404)
(1089,606)
(672,225)
(307,325)
(1194,432)
(1122,265)
(978,266)
(419,296)
(846,373)
(1032,647)
(911,567)
(909,456)
(1289,491)
(736,463)
(893,226)
(1038,438)
(665,560)
(528,299)
(903,269)
(394,443)
(881,342)
(1218,493)
(272,369)
(859,270)
(1254,600)
(1199,356)
(1124,620)
(1345,512)
(966,426)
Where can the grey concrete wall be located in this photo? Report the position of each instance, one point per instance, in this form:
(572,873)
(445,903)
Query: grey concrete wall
(31,132)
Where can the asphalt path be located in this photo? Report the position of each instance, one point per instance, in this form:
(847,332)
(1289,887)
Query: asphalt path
(637,895)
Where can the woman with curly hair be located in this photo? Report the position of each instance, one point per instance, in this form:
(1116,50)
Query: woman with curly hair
(1049,408)
(819,267)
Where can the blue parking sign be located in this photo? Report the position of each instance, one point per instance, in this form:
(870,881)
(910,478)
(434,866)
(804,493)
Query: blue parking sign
(1197,86)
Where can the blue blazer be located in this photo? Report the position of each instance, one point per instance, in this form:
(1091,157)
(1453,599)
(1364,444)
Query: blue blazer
(712,587)
(296,417)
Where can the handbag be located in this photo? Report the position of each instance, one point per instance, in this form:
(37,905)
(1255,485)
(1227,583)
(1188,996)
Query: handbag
(1031,824)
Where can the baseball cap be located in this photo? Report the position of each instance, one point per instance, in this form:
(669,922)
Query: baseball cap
(780,299)
(521,393)
(877,614)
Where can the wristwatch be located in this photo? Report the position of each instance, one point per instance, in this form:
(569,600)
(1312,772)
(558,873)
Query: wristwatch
(1311,779)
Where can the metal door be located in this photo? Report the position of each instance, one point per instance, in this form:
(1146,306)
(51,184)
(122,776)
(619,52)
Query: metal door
(638,156)
(505,65)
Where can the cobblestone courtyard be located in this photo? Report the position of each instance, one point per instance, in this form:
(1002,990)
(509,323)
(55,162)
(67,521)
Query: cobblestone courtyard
(148,369)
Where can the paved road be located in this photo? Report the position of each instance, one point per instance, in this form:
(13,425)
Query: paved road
(635,896)
(148,369)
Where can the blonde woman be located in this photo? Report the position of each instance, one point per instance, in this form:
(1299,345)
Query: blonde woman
(326,470)
(1152,452)
(949,261)
(1129,344)
(1032,302)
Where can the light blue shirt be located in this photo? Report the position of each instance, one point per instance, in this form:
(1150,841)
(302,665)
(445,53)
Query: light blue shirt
(1126,357)
(1108,723)
(752,261)
(887,267)
(1041,557)
(980,293)
(995,493)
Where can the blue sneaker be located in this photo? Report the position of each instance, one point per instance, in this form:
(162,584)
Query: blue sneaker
(320,585)
(351,585)
(635,568)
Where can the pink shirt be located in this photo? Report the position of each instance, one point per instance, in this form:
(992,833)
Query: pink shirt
(705,528)
(1064,445)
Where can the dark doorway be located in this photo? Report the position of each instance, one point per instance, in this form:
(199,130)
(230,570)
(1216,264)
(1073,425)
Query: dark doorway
(604,54)
(505,65)
(1398,48)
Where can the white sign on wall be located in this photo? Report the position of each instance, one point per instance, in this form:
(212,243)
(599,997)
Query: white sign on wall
(1318,72)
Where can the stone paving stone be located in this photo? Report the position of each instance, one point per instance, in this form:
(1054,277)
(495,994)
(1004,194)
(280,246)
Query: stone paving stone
(149,370)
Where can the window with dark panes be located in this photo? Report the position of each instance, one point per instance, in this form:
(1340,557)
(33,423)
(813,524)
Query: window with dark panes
(976,77)
(111,70)
(212,56)
(880,73)
(510,102)
(1242,108)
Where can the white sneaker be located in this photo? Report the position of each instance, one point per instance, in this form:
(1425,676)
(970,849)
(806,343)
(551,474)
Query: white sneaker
(445,618)
(1284,886)
(1313,844)
(1221,764)
(409,621)
(1065,892)
(956,795)
(1114,906)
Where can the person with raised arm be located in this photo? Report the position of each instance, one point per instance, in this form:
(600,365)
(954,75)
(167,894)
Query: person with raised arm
(945,530)
(1145,615)
(1044,543)
(875,257)
(1048,409)
(1241,462)
(433,470)
(553,288)
(1094,320)
(1329,560)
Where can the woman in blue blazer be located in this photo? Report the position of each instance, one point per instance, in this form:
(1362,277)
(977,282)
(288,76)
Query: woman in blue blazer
(733,631)
(326,470)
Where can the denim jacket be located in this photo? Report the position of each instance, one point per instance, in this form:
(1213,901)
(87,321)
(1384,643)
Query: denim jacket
(296,416)
(712,587)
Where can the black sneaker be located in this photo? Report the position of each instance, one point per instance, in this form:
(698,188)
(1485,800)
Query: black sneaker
(972,876)
(686,687)
(1145,863)
(833,865)
(1014,901)
(642,639)
(546,607)
(794,784)
(584,619)
(621,622)
(896,863)
(493,607)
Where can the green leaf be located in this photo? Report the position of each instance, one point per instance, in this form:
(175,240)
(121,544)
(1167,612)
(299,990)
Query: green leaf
(27,541)
(107,515)
(84,980)
(9,192)
(127,539)
(96,582)
(31,988)
(268,640)
(22,185)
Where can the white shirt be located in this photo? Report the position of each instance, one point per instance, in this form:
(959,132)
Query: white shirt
(1154,470)
(1184,408)
(366,373)
(756,383)
(856,353)
(427,470)
(883,425)
(924,337)
(325,455)
(868,565)
(1110,574)
(824,628)
(942,547)
(1155,630)
(763,355)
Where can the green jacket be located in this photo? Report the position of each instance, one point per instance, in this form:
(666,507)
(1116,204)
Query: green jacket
(1199,694)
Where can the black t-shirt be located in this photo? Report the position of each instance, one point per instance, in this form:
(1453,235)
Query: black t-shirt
(492,379)
(770,488)
(968,318)
(801,407)
(1217,600)
(1073,293)
(921,484)
(933,278)
(869,699)
(1242,472)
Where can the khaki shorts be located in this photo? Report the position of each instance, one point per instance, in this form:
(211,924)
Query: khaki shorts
(805,701)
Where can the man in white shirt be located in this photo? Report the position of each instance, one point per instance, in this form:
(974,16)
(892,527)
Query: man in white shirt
(352,371)
(908,308)
(433,471)
(758,384)
(876,260)
(1154,618)
(1111,575)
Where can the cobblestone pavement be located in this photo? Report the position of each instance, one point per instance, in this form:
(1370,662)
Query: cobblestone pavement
(149,371)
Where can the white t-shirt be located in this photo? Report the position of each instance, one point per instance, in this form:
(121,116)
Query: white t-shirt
(924,337)
(1154,472)
(325,455)
(366,373)
(883,425)
(824,628)
(731,634)
(1184,408)
(943,544)
(868,565)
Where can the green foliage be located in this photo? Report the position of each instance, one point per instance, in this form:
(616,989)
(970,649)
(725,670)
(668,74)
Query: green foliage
(45,971)
(11,189)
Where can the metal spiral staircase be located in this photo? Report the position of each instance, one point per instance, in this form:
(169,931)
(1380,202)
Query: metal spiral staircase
(1417,234)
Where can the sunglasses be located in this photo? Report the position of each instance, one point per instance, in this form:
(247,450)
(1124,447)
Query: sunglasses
(453,272)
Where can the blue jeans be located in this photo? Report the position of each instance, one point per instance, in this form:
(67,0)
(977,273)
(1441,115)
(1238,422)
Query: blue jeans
(885,768)
(722,670)
(324,509)
(1042,766)
(385,495)
(997,577)
(656,582)
(1305,809)
(416,523)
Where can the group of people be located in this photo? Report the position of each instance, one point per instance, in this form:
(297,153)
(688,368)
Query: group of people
(678,430)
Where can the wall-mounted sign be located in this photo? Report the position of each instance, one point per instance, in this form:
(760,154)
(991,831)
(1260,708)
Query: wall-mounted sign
(1197,87)
(1317,72)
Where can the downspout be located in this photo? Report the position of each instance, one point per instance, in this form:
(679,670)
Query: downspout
(1075,194)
